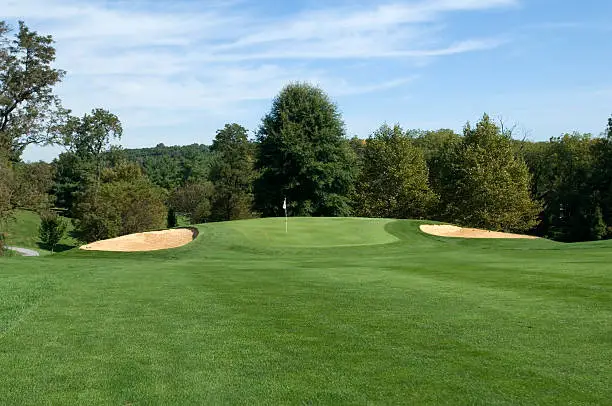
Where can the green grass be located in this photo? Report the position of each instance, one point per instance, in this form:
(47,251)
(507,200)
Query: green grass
(339,311)
(22,231)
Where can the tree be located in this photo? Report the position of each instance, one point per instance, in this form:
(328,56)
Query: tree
(603,176)
(484,184)
(193,200)
(126,202)
(303,156)
(394,178)
(52,229)
(73,175)
(33,182)
(432,142)
(437,146)
(568,186)
(172,220)
(2,239)
(6,190)
(232,174)
(29,111)
(91,136)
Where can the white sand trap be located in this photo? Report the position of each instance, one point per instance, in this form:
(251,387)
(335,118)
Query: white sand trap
(444,230)
(151,241)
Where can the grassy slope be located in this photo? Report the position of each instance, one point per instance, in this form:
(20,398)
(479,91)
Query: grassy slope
(238,316)
(22,231)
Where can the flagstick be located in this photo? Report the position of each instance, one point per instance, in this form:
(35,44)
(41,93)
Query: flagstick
(285,208)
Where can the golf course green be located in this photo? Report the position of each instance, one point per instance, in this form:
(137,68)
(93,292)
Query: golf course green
(335,311)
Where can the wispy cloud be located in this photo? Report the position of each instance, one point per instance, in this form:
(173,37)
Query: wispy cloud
(148,64)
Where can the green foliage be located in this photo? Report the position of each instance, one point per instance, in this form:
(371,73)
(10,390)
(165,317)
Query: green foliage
(304,156)
(2,239)
(73,176)
(433,142)
(22,230)
(437,147)
(568,183)
(29,111)
(171,167)
(232,174)
(393,182)
(193,200)
(172,220)
(483,184)
(6,189)
(52,229)
(125,202)
(33,182)
(91,136)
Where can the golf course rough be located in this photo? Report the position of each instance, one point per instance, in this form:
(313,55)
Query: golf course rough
(381,313)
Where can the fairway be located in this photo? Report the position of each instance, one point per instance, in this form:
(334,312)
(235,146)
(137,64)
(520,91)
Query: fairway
(336,311)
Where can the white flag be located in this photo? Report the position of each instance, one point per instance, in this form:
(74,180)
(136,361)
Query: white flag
(285,204)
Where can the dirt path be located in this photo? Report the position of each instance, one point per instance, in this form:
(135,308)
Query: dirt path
(26,252)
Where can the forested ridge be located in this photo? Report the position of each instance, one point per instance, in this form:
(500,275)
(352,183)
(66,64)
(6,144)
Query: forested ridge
(487,176)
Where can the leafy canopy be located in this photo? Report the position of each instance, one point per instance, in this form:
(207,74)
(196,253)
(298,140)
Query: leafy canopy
(29,111)
(303,155)
(394,178)
(484,184)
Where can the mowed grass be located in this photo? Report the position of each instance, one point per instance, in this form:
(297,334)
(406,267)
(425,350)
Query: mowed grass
(248,315)
(22,231)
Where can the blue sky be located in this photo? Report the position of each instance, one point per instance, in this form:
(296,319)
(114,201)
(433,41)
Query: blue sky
(176,71)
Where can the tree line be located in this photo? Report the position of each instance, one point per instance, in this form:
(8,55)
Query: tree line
(483,177)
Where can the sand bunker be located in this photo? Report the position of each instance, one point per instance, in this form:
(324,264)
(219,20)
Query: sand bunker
(151,241)
(444,230)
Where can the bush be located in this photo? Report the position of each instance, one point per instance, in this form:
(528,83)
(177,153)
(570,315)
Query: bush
(2,238)
(193,200)
(172,220)
(119,208)
(52,229)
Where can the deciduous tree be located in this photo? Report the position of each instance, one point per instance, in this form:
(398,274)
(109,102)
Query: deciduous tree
(232,173)
(572,199)
(193,200)
(29,111)
(126,202)
(91,136)
(484,184)
(394,178)
(303,155)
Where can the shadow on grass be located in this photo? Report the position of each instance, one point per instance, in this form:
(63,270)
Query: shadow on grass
(58,247)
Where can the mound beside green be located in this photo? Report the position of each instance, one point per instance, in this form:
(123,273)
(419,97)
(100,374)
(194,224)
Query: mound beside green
(22,231)
(248,315)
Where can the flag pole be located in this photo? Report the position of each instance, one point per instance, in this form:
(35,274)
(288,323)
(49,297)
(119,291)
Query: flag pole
(285,207)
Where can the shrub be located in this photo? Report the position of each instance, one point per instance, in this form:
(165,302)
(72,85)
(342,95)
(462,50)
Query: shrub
(52,229)
(172,220)
(119,208)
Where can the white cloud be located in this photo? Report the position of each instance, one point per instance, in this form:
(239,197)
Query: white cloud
(162,66)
